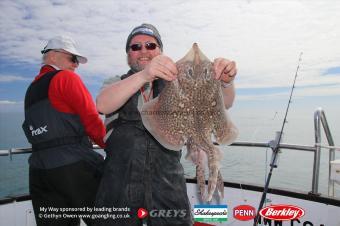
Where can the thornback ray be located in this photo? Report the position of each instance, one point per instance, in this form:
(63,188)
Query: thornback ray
(189,110)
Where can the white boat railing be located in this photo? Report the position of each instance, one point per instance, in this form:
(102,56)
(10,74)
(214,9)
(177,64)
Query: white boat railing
(319,119)
(319,116)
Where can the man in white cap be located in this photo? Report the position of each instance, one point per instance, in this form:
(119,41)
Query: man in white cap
(61,120)
(138,171)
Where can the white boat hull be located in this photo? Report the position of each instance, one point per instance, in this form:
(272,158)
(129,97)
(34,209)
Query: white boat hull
(320,212)
(316,213)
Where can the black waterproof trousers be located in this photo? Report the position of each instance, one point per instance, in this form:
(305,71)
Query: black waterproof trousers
(70,186)
(140,173)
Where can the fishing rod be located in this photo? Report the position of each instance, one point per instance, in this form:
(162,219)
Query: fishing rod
(276,149)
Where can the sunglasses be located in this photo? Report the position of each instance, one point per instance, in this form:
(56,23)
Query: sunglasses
(73,58)
(139,46)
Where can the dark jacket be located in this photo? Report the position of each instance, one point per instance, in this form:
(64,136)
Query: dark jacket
(139,172)
(57,138)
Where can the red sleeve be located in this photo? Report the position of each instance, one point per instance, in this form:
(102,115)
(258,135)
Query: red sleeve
(68,94)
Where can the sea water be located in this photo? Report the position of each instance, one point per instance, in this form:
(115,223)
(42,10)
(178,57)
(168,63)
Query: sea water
(239,164)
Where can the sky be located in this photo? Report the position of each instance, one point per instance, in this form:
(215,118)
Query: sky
(264,37)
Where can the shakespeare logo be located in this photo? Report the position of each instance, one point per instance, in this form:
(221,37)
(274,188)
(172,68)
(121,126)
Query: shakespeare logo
(213,213)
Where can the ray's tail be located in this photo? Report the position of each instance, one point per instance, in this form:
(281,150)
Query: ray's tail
(215,177)
(201,157)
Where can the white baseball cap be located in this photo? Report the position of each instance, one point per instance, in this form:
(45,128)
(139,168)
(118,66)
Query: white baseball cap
(66,43)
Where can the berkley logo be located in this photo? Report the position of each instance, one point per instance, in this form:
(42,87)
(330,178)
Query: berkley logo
(282,212)
(244,212)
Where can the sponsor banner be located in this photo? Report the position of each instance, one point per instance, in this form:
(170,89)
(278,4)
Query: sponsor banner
(210,213)
(282,212)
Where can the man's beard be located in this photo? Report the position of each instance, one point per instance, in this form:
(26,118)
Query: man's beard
(136,67)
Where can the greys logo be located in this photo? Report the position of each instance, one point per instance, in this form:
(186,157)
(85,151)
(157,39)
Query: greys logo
(39,131)
(168,213)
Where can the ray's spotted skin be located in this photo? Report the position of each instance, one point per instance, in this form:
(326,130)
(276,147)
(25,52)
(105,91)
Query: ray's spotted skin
(188,111)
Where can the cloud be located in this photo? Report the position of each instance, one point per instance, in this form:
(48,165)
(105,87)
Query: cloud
(314,91)
(12,78)
(8,102)
(332,71)
(265,38)
(11,106)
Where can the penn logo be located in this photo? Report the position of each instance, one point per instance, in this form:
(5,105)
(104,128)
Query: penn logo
(282,212)
(244,212)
